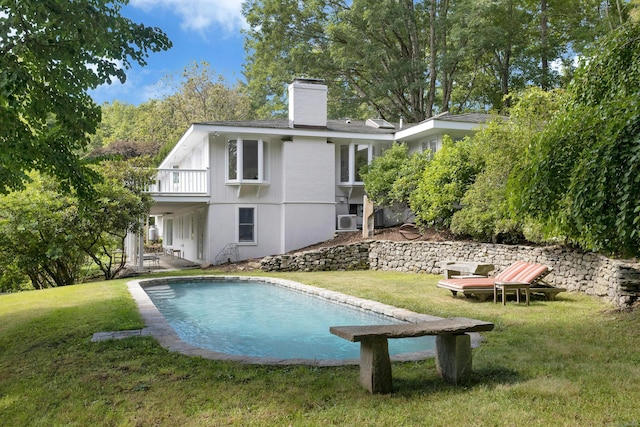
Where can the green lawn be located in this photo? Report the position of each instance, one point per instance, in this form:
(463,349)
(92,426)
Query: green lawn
(571,362)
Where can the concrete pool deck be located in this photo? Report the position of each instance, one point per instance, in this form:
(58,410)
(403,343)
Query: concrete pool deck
(160,329)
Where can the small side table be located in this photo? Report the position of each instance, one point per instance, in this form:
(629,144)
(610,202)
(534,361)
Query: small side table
(510,286)
(450,269)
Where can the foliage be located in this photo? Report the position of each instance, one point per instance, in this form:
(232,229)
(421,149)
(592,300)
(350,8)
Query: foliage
(103,223)
(50,236)
(153,128)
(36,237)
(580,178)
(444,183)
(391,178)
(287,39)
(387,70)
(416,58)
(51,54)
(200,95)
(501,144)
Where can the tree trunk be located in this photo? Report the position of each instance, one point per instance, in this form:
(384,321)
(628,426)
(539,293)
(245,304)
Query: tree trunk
(432,60)
(544,51)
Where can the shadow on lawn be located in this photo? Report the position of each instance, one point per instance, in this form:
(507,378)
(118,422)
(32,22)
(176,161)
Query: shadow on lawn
(419,384)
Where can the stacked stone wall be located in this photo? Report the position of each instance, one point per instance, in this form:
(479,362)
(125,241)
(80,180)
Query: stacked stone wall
(615,281)
(335,258)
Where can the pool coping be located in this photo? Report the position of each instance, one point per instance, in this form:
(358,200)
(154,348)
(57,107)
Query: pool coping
(160,329)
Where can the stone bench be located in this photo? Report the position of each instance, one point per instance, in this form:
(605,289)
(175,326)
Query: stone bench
(453,348)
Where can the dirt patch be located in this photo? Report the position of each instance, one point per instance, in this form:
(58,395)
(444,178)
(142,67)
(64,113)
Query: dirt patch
(394,234)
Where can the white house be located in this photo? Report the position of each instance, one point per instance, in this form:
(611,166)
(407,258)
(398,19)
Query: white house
(247,189)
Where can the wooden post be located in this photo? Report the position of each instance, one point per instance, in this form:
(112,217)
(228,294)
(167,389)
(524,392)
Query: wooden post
(368,218)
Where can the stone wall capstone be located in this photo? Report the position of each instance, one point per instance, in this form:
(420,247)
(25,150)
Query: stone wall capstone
(615,281)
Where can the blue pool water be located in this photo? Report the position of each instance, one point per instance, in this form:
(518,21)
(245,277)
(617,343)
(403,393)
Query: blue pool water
(264,320)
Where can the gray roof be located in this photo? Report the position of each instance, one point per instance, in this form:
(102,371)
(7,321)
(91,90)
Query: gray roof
(348,126)
(467,117)
(352,126)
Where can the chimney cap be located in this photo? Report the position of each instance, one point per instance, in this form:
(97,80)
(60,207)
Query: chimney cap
(308,80)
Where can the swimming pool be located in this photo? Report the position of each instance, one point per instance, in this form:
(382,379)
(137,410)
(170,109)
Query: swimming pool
(266,320)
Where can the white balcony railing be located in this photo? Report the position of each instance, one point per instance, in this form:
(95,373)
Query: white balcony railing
(181,181)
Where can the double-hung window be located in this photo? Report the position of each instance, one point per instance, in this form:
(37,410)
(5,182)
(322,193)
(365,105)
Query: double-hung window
(247,224)
(352,158)
(245,160)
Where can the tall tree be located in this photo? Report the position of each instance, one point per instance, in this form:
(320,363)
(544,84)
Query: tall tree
(287,39)
(51,54)
(417,58)
(102,225)
(197,94)
(379,46)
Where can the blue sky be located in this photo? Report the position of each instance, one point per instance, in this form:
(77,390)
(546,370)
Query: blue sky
(201,30)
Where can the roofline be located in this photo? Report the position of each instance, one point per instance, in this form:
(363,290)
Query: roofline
(175,149)
(319,133)
(408,133)
(433,124)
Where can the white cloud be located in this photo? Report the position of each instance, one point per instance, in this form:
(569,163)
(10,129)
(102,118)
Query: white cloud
(200,15)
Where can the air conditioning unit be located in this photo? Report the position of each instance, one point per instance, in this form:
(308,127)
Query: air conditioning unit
(347,222)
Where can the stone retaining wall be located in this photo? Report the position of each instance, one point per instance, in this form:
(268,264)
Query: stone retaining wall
(615,281)
(335,258)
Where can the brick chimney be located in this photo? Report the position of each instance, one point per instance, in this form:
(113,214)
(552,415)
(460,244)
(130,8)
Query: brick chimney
(307,103)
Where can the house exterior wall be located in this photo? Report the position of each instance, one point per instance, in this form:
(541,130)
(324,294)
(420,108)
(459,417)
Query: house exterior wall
(291,183)
(308,192)
(294,207)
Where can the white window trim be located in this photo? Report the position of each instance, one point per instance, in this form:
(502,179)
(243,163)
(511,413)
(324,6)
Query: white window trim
(352,161)
(255,225)
(240,161)
(431,144)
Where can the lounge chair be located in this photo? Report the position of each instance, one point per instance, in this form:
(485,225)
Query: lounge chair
(518,272)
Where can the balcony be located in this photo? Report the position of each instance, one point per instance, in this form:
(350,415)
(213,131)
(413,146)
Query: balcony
(181,182)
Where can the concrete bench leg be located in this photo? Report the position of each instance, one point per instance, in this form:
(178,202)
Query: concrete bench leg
(453,357)
(375,365)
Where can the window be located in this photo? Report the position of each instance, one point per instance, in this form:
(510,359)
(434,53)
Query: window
(168,232)
(176,175)
(352,158)
(246,225)
(245,160)
(344,163)
(232,159)
(431,145)
(361,159)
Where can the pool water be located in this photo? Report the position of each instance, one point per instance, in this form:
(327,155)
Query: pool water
(265,320)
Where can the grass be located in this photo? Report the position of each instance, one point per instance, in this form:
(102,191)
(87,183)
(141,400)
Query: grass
(571,362)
